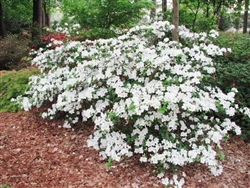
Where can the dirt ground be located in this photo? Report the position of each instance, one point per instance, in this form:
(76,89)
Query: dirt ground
(37,153)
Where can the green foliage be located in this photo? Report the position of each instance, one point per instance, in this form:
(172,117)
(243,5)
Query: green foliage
(205,14)
(4,186)
(201,24)
(109,163)
(233,69)
(226,21)
(12,84)
(12,50)
(186,17)
(220,156)
(239,44)
(104,13)
(96,33)
(17,15)
(205,24)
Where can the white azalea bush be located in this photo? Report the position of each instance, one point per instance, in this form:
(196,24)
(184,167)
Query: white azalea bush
(145,93)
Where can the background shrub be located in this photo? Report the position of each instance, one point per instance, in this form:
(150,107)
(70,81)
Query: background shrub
(201,24)
(233,70)
(12,84)
(104,14)
(12,50)
(97,33)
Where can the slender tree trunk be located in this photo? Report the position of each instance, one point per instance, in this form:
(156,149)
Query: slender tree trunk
(245,16)
(37,18)
(2,26)
(43,19)
(153,10)
(175,20)
(46,19)
(216,8)
(195,15)
(207,9)
(164,8)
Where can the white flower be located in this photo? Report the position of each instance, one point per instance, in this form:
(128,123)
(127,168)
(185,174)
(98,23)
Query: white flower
(216,137)
(26,104)
(216,170)
(86,94)
(193,154)
(213,33)
(165,181)
(143,159)
(66,125)
(103,122)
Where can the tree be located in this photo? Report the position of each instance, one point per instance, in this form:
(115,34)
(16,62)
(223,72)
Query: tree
(221,6)
(17,15)
(37,19)
(104,13)
(2,25)
(202,15)
(164,8)
(195,8)
(245,18)
(175,20)
(37,12)
(153,9)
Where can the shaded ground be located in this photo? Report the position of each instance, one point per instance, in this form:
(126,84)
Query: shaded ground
(36,153)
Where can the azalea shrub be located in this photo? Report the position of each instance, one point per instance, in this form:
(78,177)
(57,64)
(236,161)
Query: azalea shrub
(53,36)
(146,94)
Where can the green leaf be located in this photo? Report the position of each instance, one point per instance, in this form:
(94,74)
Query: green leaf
(162,109)
(109,163)
(131,107)
(220,156)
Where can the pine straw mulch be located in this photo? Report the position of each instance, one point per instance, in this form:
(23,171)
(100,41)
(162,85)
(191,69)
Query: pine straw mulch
(37,153)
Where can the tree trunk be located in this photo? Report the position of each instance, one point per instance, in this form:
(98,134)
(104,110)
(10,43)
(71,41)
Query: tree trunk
(43,19)
(46,18)
(164,8)
(207,9)
(37,12)
(153,10)
(195,14)
(37,18)
(175,20)
(2,26)
(245,16)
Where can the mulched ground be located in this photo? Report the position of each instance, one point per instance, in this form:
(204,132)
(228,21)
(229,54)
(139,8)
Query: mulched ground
(37,153)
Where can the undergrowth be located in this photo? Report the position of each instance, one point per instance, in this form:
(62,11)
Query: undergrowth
(4,186)
(12,84)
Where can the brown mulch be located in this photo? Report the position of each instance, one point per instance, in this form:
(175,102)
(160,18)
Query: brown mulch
(37,153)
